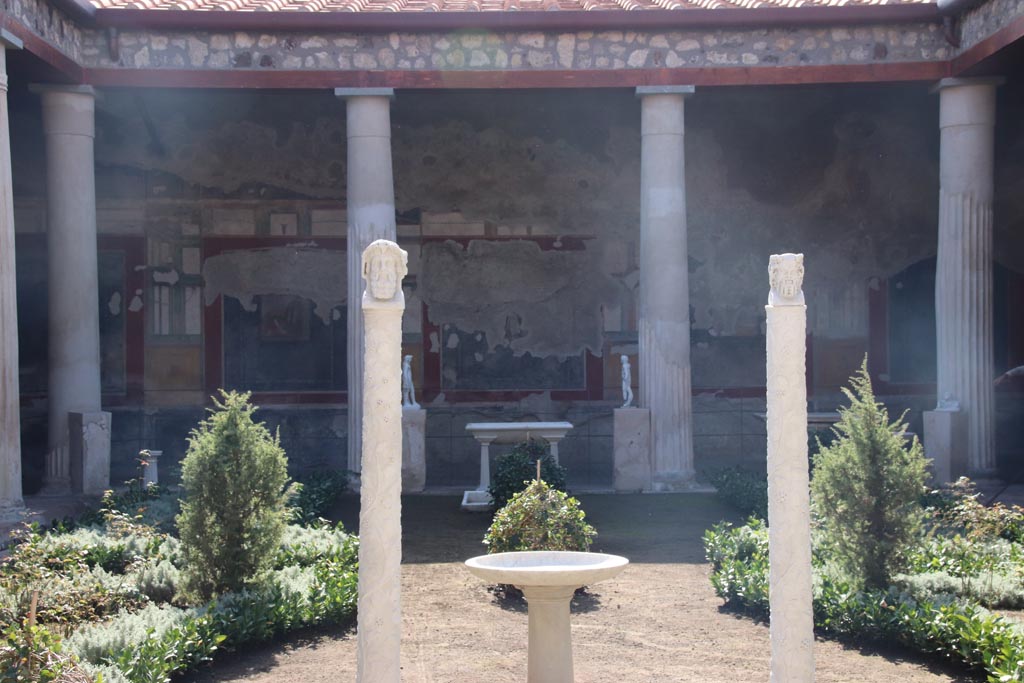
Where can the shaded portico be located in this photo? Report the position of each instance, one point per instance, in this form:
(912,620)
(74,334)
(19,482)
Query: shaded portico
(157,50)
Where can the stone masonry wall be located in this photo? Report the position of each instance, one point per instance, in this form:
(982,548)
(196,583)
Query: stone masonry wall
(527,51)
(984,20)
(48,23)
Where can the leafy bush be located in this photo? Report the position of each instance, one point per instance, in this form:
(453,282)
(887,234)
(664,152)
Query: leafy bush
(514,470)
(30,653)
(539,518)
(315,495)
(304,546)
(742,489)
(739,561)
(235,478)
(956,631)
(866,489)
(957,507)
(989,589)
(149,645)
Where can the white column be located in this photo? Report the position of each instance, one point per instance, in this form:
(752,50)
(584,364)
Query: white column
(789,517)
(664,288)
(379,620)
(963,276)
(74,380)
(370,201)
(10,423)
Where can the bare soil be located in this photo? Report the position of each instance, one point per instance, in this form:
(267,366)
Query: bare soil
(659,621)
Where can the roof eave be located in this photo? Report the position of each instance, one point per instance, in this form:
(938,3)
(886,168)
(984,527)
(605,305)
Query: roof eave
(558,20)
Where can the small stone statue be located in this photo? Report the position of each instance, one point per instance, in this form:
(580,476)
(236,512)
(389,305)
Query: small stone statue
(786,276)
(627,382)
(408,390)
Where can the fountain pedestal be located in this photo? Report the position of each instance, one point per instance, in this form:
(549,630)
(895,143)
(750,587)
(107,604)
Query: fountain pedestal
(548,579)
(550,643)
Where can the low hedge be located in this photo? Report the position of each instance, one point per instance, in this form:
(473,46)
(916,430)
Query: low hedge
(113,592)
(956,630)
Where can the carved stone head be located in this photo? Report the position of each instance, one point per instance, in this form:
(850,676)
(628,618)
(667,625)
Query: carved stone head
(624,359)
(407,361)
(384,266)
(786,275)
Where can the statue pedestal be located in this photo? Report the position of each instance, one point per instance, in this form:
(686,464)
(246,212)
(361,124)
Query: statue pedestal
(414,449)
(632,447)
(945,444)
(89,452)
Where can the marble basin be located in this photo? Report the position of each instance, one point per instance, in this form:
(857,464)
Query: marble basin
(546,568)
(548,580)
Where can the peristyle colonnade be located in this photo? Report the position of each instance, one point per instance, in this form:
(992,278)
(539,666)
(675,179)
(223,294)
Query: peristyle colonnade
(963,282)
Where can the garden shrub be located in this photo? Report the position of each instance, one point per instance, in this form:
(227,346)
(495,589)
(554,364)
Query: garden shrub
(539,518)
(741,489)
(235,477)
(993,590)
(514,470)
(954,630)
(316,493)
(30,653)
(867,487)
(958,508)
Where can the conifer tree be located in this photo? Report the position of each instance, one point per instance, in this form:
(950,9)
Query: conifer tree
(235,477)
(866,488)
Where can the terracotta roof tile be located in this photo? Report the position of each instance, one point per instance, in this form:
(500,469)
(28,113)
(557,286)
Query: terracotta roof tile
(406,6)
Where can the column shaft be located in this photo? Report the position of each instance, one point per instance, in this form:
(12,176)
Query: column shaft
(371,216)
(664,325)
(789,518)
(10,423)
(963,277)
(74,352)
(379,612)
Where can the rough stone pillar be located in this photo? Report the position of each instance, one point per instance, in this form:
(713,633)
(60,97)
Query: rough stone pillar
(74,381)
(371,216)
(379,619)
(664,288)
(963,276)
(10,423)
(789,516)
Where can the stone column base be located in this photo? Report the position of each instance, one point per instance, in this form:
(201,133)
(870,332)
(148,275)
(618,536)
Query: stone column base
(945,444)
(414,450)
(631,442)
(89,452)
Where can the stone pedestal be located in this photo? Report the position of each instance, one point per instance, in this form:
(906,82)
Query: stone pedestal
(379,621)
(151,468)
(371,216)
(74,328)
(789,516)
(631,442)
(945,444)
(10,422)
(963,274)
(89,452)
(664,325)
(414,450)
(549,646)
